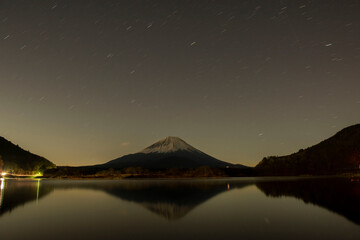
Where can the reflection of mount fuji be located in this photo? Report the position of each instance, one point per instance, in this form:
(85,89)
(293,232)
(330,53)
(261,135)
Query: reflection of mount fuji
(339,195)
(172,200)
(169,199)
(176,198)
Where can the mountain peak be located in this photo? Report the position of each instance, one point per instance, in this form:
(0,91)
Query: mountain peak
(170,152)
(169,144)
(173,139)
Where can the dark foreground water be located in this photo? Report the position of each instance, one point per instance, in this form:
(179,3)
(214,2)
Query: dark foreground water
(247,208)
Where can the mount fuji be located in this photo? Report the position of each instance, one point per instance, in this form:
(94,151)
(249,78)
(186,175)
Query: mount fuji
(169,152)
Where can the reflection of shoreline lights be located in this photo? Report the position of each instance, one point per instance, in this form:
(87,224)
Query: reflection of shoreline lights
(2,191)
(37,192)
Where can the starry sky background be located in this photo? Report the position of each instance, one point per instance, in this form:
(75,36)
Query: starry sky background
(84,82)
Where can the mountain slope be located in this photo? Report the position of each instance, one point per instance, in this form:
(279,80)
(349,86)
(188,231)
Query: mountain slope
(15,159)
(340,153)
(168,153)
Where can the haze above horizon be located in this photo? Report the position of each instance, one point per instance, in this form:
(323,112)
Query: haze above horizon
(84,83)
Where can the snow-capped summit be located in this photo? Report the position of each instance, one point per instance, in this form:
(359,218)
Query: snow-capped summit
(167,153)
(169,144)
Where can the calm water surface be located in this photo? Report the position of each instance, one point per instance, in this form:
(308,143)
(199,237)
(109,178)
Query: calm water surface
(247,208)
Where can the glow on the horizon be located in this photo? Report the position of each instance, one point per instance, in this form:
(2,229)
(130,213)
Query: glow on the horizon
(39,174)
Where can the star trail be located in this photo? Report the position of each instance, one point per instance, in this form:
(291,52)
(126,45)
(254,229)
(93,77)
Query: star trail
(83,82)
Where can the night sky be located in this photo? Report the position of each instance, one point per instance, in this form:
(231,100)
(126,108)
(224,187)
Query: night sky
(84,82)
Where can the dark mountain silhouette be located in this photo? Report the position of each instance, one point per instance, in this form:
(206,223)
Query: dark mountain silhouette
(340,153)
(339,195)
(15,159)
(167,153)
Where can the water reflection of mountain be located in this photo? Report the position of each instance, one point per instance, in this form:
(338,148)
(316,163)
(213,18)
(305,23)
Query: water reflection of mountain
(15,193)
(171,199)
(338,195)
(167,198)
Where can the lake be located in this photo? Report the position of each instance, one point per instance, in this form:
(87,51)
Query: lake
(234,208)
